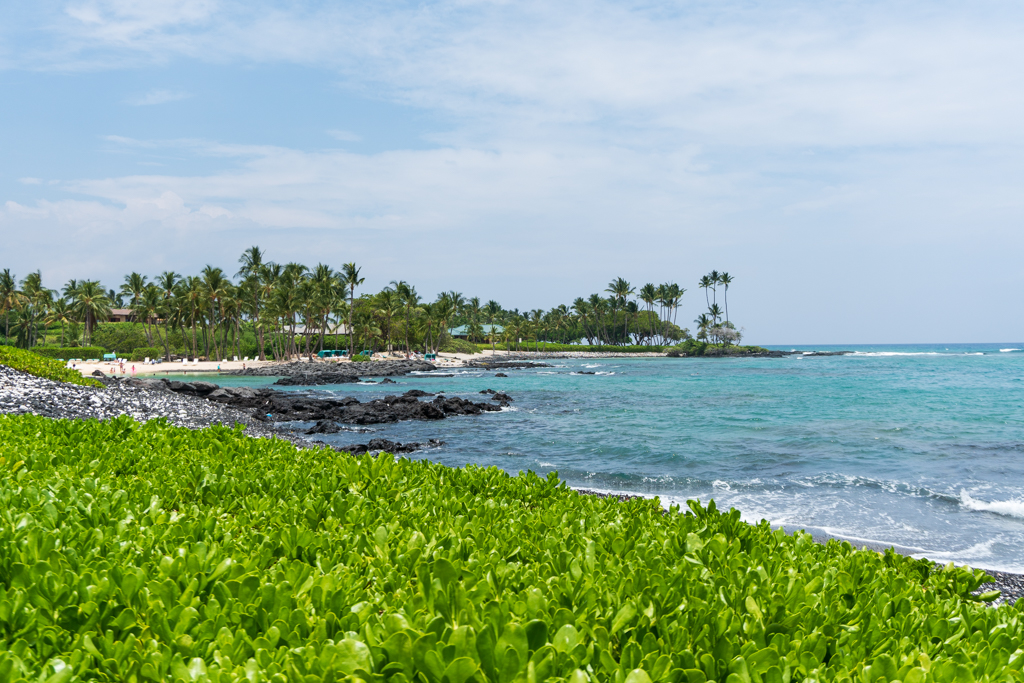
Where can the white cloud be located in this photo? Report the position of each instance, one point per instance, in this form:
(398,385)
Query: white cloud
(345,135)
(30,181)
(850,159)
(158,97)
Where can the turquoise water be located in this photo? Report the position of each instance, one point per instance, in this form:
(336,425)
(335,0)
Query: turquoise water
(918,446)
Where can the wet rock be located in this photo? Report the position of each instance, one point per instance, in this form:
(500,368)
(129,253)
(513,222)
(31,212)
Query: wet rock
(312,373)
(501,396)
(487,391)
(387,380)
(317,379)
(387,446)
(324,427)
(417,393)
(501,374)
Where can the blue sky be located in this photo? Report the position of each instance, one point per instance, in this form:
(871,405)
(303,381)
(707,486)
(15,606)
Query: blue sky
(856,166)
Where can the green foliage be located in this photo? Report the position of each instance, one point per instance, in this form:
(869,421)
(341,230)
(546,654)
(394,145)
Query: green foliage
(692,347)
(142,353)
(359,358)
(453,345)
(147,552)
(34,364)
(125,338)
(68,352)
(120,338)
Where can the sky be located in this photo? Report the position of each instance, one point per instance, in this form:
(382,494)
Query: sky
(856,167)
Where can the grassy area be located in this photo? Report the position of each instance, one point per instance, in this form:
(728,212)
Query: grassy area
(37,365)
(153,553)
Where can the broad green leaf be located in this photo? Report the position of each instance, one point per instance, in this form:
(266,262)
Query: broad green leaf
(623,617)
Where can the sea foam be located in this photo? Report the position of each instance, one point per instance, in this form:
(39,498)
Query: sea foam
(1008,508)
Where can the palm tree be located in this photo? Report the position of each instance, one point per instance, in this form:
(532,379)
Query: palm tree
(134,285)
(715,279)
(716,313)
(703,323)
(648,294)
(10,298)
(707,284)
(253,270)
(350,279)
(726,280)
(411,300)
(216,288)
(91,304)
(621,290)
(492,309)
(61,314)
(582,309)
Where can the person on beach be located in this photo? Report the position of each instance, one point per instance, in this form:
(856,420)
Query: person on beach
(133,371)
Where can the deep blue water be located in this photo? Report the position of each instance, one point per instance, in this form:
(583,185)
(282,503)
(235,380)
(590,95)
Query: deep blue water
(919,446)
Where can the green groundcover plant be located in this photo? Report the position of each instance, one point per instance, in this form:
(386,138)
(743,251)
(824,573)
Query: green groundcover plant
(145,552)
(47,368)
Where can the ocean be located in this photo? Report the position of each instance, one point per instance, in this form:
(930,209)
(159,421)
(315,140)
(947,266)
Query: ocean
(917,446)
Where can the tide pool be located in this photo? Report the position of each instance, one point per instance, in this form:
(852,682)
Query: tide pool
(918,446)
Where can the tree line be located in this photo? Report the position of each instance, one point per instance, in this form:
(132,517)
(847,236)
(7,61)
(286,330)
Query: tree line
(287,310)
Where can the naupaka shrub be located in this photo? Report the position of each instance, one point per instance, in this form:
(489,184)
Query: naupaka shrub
(146,552)
(40,366)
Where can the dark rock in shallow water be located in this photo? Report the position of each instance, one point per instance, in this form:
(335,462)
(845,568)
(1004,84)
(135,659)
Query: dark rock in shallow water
(315,379)
(417,393)
(98,373)
(281,406)
(501,396)
(311,373)
(487,391)
(386,446)
(324,427)
(387,380)
(501,374)
(585,372)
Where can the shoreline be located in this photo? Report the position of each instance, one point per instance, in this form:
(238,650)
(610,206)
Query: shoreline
(444,361)
(58,400)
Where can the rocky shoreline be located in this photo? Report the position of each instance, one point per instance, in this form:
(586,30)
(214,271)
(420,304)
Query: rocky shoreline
(314,373)
(280,406)
(21,393)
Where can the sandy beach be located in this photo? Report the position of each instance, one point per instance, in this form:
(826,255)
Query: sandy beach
(443,361)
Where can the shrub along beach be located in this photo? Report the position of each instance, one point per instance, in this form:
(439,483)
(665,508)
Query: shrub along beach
(163,530)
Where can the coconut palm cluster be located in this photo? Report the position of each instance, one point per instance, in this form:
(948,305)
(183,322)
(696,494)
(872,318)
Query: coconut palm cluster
(268,309)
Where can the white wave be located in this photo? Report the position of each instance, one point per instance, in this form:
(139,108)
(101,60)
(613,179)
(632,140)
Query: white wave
(546,464)
(719,484)
(976,551)
(604,373)
(591,365)
(1007,350)
(898,353)
(1007,508)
